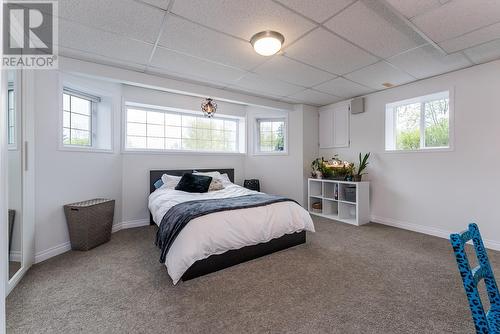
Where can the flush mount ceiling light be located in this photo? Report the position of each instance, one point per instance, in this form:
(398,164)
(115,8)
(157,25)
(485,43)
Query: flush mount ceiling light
(209,107)
(267,43)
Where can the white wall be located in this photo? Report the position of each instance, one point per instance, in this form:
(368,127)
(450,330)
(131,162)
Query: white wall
(285,174)
(310,142)
(62,176)
(68,176)
(165,99)
(110,97)
(278,174)
(136,169)
(437,192)
(136,166)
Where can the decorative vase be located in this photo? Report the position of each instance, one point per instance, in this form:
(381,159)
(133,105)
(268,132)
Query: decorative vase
(357,178)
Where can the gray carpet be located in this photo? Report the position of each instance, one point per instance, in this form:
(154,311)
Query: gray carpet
(346,279)
(13,268)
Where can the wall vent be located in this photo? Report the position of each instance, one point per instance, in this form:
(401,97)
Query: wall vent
(358,105)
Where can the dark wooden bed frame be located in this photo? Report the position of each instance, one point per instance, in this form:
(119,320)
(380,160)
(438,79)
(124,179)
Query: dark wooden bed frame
(230,258)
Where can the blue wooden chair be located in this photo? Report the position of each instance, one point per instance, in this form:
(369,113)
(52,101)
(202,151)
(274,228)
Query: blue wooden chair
(485,322)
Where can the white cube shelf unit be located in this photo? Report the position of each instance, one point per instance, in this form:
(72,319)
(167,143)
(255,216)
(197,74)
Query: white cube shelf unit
(344,201)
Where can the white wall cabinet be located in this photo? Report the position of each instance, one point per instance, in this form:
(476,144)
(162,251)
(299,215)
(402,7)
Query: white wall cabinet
(334,125)
(326,128)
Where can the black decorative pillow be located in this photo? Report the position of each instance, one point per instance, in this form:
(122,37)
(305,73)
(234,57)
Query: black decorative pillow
(192,183)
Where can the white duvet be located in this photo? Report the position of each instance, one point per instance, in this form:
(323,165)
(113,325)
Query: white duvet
(219,232)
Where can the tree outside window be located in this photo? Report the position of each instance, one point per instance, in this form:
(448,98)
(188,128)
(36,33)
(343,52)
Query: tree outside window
(420,123)
(271,135)
(163,130)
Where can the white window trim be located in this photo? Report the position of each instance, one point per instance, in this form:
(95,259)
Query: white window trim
(17,132)
(451,136)
(126,150)
(93,115)
(77,148)
(256,134)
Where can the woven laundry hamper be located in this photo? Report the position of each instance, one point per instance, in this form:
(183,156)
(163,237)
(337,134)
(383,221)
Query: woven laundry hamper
(89,222)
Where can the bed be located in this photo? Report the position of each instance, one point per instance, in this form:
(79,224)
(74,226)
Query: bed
(182,267)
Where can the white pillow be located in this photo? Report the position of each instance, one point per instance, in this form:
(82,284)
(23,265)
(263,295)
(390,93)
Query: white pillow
(170,181)
(225,179)
(216,183)
(213,175)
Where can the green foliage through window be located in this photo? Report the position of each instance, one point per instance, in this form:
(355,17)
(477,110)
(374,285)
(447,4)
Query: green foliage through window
(271,135)
(422,124)
(165,130)
(77,120)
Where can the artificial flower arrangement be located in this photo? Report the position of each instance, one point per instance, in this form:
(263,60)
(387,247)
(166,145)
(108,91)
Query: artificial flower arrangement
(338,169)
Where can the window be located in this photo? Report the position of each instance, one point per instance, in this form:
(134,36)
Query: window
(271,135)
(160,129)
(11,117)
(419,124)
(78,115)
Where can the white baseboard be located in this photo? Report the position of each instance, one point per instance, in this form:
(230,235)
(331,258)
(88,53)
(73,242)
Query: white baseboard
(130,224)
(53,251)
(64,247)
(437,232)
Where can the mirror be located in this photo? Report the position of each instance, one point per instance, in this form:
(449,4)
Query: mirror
(15,174)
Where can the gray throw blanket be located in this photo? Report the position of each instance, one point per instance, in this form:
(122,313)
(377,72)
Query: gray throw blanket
(181,214)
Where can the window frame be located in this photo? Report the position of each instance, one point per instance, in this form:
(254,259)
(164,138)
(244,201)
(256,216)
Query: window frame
(12,146)
(256,141)
(181,112)
(390,122)
(94,100)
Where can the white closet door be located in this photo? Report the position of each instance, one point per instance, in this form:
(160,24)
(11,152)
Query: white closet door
(326,128)
(334,126)
(20,184)
(341,125)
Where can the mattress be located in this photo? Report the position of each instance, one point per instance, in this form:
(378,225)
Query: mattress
(219,232)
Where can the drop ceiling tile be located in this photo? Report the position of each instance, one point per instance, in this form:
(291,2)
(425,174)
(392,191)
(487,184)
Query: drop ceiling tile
(310,96)
(253,92)
(411,8)
(185,36)
(377,74)
(292,71)
(324,50)
(163,4)
(179,64)
(471,39)
(257,83)
(290,100)
(426,61)
(79,37)
(244,18)
(166,73)
(458,17)
(379,30)
(98,59)
(317,10)
(343,88)
(125,17)
(484,52)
